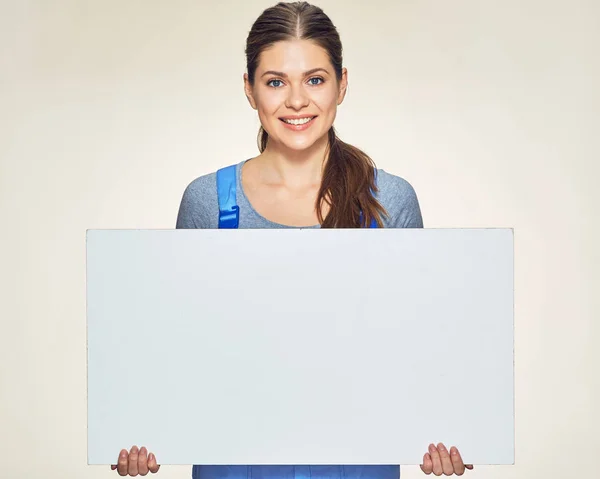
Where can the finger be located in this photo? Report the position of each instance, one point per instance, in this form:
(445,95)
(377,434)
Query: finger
(427,466)
(143,462)
(435,459)
(469,466)
(457,462)
(152,466)
(122,463)
(133,461)
(445,459)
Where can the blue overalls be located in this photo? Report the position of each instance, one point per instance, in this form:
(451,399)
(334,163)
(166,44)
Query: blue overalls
(229,218)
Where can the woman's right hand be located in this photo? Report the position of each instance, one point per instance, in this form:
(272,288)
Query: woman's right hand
(136,462)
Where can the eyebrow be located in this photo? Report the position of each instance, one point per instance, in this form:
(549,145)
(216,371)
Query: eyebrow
(281,74)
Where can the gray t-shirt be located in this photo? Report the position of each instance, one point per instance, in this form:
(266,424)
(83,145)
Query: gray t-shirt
(199,206)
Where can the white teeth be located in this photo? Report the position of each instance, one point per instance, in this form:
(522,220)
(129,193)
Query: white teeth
(300,121)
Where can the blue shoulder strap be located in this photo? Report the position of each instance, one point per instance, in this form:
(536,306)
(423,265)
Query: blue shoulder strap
(229,211)
(373,221)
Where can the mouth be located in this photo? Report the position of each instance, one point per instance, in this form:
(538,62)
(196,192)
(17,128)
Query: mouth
(298,123)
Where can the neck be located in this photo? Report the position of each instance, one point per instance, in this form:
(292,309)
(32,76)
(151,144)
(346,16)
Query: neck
(294,168)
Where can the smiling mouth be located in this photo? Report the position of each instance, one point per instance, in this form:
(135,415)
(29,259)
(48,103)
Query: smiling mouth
(298,121)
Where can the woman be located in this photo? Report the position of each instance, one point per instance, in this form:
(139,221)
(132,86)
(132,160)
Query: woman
(304,177)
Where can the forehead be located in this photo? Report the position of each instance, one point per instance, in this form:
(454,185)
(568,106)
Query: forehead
(294,57)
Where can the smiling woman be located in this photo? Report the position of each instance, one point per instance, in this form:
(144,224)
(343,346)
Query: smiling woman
(304,176)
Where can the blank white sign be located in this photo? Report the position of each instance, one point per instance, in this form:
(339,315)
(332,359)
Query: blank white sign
(300,346)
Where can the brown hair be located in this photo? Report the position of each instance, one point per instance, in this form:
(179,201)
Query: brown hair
(349,175)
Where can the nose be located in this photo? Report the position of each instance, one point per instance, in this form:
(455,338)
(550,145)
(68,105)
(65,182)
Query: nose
(297,98)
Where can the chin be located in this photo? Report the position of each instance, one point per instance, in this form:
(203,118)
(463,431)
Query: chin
(299,145)
(295,144)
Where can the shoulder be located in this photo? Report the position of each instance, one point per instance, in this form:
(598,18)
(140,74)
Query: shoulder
(199,206)
(400,200)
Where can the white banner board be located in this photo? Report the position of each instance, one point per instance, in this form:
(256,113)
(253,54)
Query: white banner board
(300,346)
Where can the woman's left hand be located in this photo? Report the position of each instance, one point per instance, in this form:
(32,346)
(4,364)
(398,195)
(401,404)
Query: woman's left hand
(439,461)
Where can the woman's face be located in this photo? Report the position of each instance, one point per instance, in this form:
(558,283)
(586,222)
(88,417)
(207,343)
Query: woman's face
(296,93)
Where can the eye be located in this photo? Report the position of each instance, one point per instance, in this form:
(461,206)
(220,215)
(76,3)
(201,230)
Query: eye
(274,83)
(316,80)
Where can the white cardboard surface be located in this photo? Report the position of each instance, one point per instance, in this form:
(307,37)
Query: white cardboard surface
(300,346)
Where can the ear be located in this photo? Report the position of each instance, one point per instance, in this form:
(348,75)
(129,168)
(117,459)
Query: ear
(248,91)
(343,87)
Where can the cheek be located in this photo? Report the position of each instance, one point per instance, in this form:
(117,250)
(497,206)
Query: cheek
(269,102)
(267,108)
(326,100)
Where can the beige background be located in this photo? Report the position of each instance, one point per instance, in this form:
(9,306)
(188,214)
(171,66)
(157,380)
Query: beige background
(108,109)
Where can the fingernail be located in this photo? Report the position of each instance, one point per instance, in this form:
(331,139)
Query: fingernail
(441,447)
(151,457)
(123,454)
(431,448)
(453,451)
